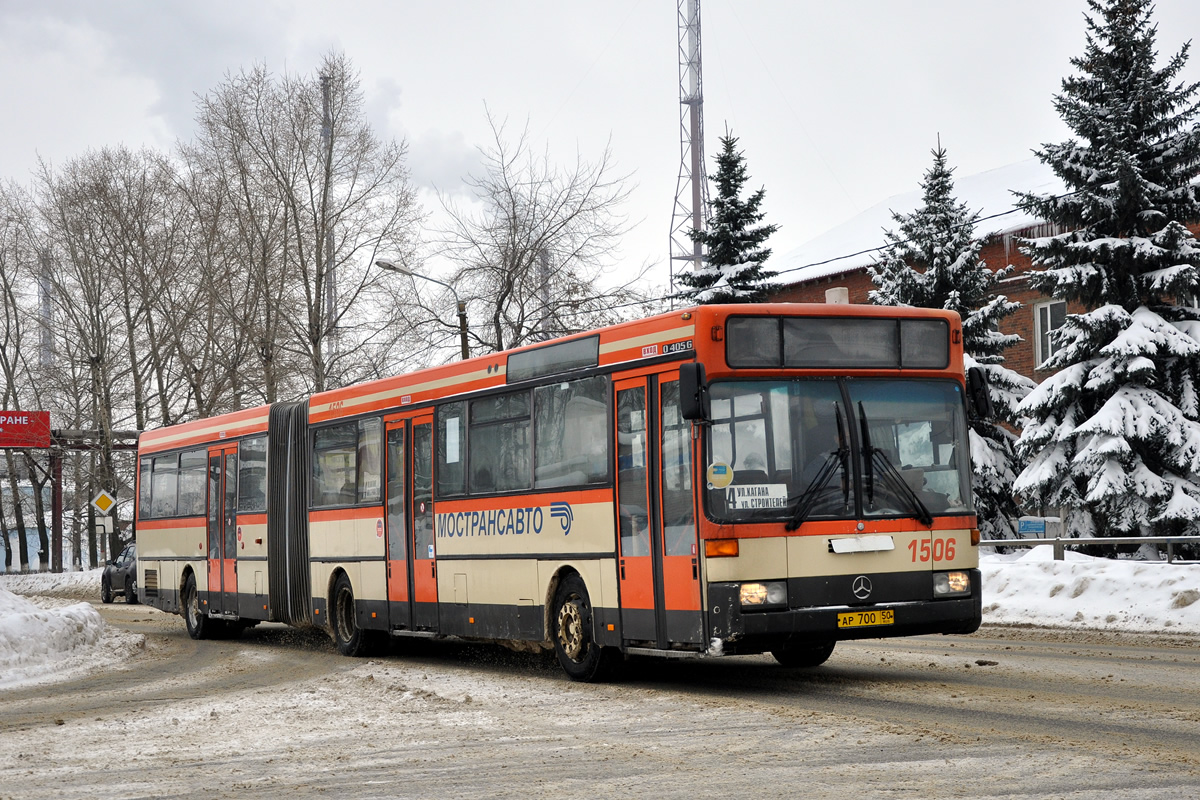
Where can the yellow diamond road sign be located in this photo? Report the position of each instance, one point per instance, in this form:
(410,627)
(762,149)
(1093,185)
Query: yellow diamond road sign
(104,502)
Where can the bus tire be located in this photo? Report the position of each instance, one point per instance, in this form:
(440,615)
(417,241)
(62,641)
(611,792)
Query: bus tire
(571,631)
(804,655)
(350,639)
(106,594)
(199,626)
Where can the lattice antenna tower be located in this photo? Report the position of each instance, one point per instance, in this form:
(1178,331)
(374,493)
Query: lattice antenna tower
(691,190)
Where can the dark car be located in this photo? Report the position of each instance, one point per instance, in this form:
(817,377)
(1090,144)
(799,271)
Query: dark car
(120,575)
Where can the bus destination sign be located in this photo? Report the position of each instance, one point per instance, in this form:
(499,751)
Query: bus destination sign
(24,428)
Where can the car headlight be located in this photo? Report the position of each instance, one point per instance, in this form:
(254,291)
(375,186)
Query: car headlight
(771,594)
(947,584)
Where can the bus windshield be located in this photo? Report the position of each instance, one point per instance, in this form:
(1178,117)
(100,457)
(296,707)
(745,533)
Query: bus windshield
(837,448)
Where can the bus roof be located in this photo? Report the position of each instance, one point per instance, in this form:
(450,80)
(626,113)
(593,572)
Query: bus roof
(674,334)
(202,431)
(669,334)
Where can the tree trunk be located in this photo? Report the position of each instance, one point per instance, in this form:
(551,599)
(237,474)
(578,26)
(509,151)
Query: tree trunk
(6,541)
(40,509)
(18,513)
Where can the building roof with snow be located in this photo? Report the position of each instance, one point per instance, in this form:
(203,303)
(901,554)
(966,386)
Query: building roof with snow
(856,242)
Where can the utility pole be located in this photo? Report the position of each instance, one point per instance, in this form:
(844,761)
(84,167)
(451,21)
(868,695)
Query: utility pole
(691,190)
(544,295)
(331,329)
(46,301)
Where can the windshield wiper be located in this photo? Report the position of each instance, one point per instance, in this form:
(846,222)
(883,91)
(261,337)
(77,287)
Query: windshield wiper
(868,470)
(833,459)
(891,476)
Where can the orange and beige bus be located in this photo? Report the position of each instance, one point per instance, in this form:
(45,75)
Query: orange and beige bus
(714,481)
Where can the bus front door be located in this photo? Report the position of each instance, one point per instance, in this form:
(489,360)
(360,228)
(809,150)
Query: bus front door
(658,564)
(677,504)
(412,569)
(222,530)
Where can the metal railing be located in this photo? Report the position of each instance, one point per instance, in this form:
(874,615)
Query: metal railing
(1060,543)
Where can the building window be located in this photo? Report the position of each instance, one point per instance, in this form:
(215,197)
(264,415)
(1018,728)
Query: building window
(1048,317)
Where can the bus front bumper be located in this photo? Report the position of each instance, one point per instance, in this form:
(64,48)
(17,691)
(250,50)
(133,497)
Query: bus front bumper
(759,631)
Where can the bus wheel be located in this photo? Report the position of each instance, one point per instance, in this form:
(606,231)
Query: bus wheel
(805,655)
(349,638)
(571,623)
(199,626)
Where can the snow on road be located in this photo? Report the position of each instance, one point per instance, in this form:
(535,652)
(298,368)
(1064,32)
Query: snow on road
(46,637)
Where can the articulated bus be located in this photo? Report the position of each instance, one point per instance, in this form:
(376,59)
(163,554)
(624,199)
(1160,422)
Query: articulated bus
(720,480)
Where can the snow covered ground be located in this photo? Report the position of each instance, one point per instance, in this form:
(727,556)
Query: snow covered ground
(46,637)
(1030,587)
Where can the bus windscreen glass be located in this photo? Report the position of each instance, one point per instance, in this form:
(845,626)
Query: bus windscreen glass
(797,446)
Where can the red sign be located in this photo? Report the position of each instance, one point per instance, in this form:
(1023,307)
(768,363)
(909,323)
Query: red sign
(24,428)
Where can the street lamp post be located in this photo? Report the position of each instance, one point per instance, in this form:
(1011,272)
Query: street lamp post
(391,266)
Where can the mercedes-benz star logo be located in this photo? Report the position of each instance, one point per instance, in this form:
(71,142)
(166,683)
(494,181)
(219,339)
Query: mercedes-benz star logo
(861,587)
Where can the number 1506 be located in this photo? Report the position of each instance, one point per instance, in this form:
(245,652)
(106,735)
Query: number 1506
(938,549)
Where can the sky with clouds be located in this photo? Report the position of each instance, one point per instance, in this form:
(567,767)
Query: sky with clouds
(836,105)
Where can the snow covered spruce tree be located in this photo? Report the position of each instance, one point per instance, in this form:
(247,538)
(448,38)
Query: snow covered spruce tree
(734,271)
(933,262)
(1114,436)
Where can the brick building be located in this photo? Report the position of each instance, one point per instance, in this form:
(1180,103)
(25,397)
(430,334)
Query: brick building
(809,271)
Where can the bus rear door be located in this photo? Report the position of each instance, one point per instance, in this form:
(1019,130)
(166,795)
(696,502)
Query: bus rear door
(222,529)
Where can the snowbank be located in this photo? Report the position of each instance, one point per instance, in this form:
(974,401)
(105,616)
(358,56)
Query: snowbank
(55,640)
(48,584)
(1030,587)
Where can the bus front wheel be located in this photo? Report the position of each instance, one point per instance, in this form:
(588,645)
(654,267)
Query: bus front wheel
(804,655)
(571,630)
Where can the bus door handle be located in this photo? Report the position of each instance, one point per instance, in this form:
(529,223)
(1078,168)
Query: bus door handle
(622,569)
(433,569)
(695,571)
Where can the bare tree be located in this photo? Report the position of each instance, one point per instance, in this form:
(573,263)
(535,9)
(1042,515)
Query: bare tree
(313,195)
(99,238)
(16,389)
(530,253)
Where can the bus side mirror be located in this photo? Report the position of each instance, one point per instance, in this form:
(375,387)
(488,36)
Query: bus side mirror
(693,391)
(979,399)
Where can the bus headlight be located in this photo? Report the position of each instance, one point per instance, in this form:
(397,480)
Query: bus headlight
(772,594)
(946,584)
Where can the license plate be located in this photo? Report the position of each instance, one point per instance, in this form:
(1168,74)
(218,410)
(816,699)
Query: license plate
(866,619)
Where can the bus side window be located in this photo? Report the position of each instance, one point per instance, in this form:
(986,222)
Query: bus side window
(252,475)
(498,445)
(571,433)
(370,467)
(145,511)
(335,451)
(165,482)
(193,465)
(451,449)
